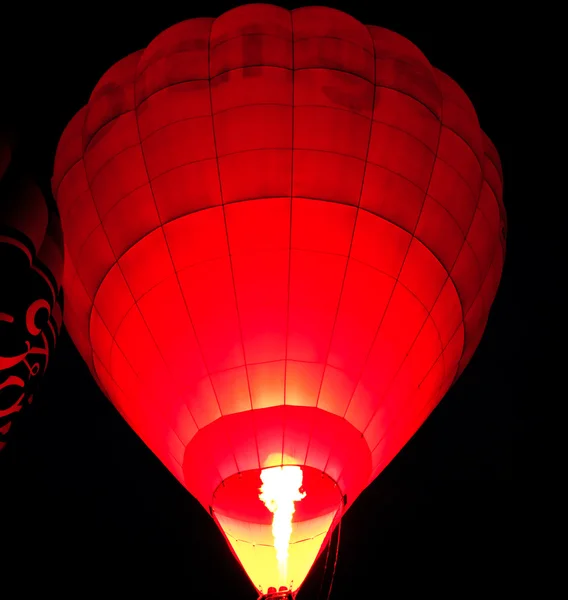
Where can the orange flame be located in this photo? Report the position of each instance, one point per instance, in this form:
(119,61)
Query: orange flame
(279,491)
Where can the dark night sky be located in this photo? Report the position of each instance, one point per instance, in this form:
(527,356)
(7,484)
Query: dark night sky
(84,504)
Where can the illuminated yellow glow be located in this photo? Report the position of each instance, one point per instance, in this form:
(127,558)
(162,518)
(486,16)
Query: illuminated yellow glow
(253,544)
(280,491)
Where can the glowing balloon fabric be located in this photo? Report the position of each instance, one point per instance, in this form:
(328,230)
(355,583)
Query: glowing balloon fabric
(284,232)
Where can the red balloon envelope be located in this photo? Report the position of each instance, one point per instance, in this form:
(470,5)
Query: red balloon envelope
(284,232)
(31,265)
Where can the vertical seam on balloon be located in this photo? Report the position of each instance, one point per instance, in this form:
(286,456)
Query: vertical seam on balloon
(399,271)
(387,87)
(93,307)
(462,321)
(120,408)
(412,235)
(348,257)
(201,263)
(289,239)
(230,255)
(161,227)
(172,260)
(482,283)
(117,262)
(456,330)
(357,210)
(464,314)
(115,344)
(442,346)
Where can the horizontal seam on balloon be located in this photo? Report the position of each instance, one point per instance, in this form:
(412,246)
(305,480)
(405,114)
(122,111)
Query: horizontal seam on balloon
(430,317)
(464,313)
(361,160)
(123,409)
(451,337)
(459,175)
(184,82)
(260,149)
(110,159)
(74,203)
(358,209)
(479,291)
(371,54)
(129,147)
(116,345)
(55,190)
(498,169)
(495,225)
(261,198)
(87,238)
(277,66)
(245,199)
(289,106)
(390,385)
(149,182)
(264,149)
(401,268)
(229,254)
(398,90)
(294,40)
(236,152)
(115,117)
(104,389)
(494,195)
(462,323)
(167,56)
(213,372)
(459,136)
(89,337)
(138,103)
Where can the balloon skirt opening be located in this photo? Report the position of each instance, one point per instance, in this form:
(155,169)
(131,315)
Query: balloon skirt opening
(246,523)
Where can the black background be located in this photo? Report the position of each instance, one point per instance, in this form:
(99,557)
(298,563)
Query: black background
(86,508)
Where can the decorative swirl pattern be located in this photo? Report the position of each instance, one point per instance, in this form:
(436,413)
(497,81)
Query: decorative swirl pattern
(31,262)
(28,334)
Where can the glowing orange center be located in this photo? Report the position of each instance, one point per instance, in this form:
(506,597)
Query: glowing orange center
(279,491)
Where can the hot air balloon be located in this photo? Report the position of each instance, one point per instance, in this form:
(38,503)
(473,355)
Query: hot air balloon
(283,234)
(31,266)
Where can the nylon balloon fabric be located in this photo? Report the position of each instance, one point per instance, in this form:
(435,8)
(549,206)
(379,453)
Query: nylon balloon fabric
(284,231)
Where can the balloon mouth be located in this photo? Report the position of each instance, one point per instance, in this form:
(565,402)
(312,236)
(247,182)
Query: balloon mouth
(247,524)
